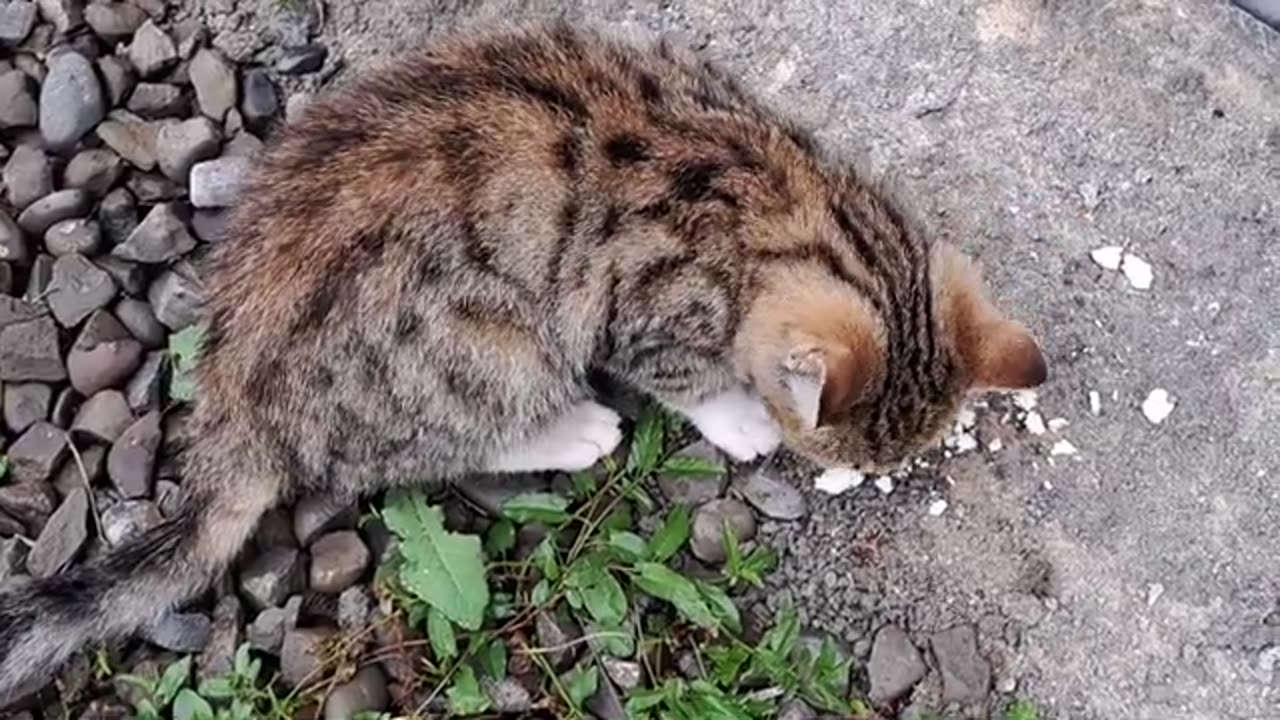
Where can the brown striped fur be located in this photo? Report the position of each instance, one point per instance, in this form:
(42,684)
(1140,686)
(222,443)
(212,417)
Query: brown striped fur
(429,264)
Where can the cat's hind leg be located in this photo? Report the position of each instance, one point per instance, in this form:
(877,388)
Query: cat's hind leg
(574,441)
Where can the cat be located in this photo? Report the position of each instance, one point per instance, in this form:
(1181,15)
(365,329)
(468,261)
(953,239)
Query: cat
(427,266)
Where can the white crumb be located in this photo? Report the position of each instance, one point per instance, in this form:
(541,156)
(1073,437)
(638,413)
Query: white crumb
(996,445)
(838,480)
(1063,447)
(961,443)
(884,484)
(1034,423)
(966,419)
(1157,406)
(1137,271)
(1026,399)
(1095,402)
(1108,257)
(1154,591)
(1058,424)
(937,507)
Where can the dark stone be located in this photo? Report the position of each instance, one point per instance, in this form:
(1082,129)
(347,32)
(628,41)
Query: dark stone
(152,51)
(61,205)
(145,390)
(302,59)
(28,343)
(162,236)
(273,576)
(36,453)
(118,77)
(29,503)
(79,236)
(318,514)
(364,693)
(62,537)
(28,174)
(259,103)
(102,417)
(71,101)
(158,100)
(96,170)
(129,519)
(176,298)
(118,216)
(77,289)
(179,632)
(131,461)
(966,675)
(338,560)
(707,535)
(104,355)
(25,404)
(301,655)
(895,665)
(131,137)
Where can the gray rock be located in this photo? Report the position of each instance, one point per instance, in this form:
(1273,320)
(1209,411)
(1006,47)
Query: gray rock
(18,106)
(25,404)
(81,472)
(118,78)
(132,138)
(96,170)
(29,64)
(65,15)
(13,244)
(176,299)
(179,632)
(796,709)
(560,634)
(209,225)
(214,79)
(168,498)
(28,343)
(338,559)
(216,183)
(64,407)
(102,417)
(315,515)
(966,675)
(77,289)
(245,144)
(301,654)
(260,102)
(507,695)
(103,356)
(354,607)
(28,175)
(162,236)
(71,101)
(61,205)
(189,34)
(273,576)
(118,217)
(219,653)
(131,461)
(13,559)
(693,490)
(38,278)
(895,665)
(36,453)
(62,537)
(16,21)
(366,692)
(79,236)
(707,535)
(157,100)
(625,674)
(275,529)
(152,52)
(490,492)
(179,145)
(129,519)
(30,503)
(114,21)
(302,59)
(770,496)
(137,318)
(144,392)
(266,632)
(153,188)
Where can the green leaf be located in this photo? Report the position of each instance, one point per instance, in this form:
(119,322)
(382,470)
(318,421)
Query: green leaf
(217,688)
(580,684)
(757,564)
(1021,710)
(501,538)
(598,590)
(546,508)
(666,584)
(670,535)
(440,632)
(642,700)
(174,677)
(493,659)
(184,352)
(190,706)
(685,465)
(721,606)
(616,641)
(540,593)
(627,545)
(465,697)
(781,638)
(646,443)
(619,519)
(727,662)
(4,467)
(444,569)
(544,557)
(585,484)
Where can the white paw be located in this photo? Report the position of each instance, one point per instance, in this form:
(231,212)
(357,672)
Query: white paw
(737,422)
(575,441)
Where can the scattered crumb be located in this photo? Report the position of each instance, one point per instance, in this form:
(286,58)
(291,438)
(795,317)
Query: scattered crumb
(966,419)
(1034,423)
(1063,447)
(937,507)
(1109,257)
(1026,399)
(1157,406)
(962,443)
(1058,424)
(838,480)
(1137,271)
(884,484)
(996,445)
(1095,402)
(1154,591)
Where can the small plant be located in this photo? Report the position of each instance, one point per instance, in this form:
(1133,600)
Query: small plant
(236,695)
(184,352)
(1021,710)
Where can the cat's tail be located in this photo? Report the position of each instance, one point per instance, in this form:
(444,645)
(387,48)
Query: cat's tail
(44,621)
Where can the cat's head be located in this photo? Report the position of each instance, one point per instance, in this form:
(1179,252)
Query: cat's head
(864,379)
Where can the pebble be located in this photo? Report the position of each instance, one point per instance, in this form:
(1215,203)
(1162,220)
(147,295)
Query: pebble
(1063,447)
(13,557)
(95,170)
(64,407)
(157,100)
(118,78)
(489,492)
(131,137)
(1034,423)
(302,59)
(796,709)
(895,665)
(707,535)
(259,103)
(103,356)
(214,79)
(315,515)
(114,21)
(176,299)
(625,674)
(137,318)
(31,503)
(273,576)
(28,175)
(80,236)
(16,21)
(338,560)
(216,183)
(966,675)
(1095,402)
(300,653)
(507,695)
(25,404)
(76,473)
(13,246)
(152,188)
(210,225)
(38,278)
(179,632)
(71,102)
(18,107)
(1158,406)
(131,460)
(102,417)
(219,653)
(884,484)
(129,519)
(36,453)
(266,632)
(1137,271)
(838,480)
(29,347)
(77,289)
(160,237)
(61,205)
(64,14)
(181,144)
(693,490)
(1108,257)
(557,635)
(364,693)
(772,497)
(245,144)
(62,537)
(354,608)
(118,217)
(152,52)
(937,507)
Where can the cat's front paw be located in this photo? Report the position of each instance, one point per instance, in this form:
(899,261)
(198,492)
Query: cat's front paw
(575,441)
(738,423)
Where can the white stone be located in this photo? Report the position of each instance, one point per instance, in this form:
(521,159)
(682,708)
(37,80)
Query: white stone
(937,507)
(1158,406)
(1026,399)
(1063,447)
(1095,402)
(1154,591)
(996,445)
(962,443)
(1058,424)
(838,480)
(884,484)
(1034,423)
(1108,257)
(1137,271)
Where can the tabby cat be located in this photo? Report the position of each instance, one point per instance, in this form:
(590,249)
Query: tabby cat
(431,262)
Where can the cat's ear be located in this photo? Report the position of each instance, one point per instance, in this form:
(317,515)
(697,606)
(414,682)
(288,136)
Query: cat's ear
(823,381)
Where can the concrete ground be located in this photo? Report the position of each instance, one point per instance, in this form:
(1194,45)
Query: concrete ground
(1140,578)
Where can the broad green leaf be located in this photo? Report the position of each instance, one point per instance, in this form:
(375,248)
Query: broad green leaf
(190,706)
(646,443)
(580,684)
(444,569)
(685,465)
(619,519)
(541,593)
(670,535)
(243,660)
(440,632)
(616,641)
(217,688)
(781,638)
(465,697)
(598,590)
(536,507)
(721,606)
(501,538)
(757,564)
(727,662)
(642,499)
(1021,710)
(544,557)
(174,677)
(585,484)
(628,546)
(493,659)
(666,584)
(184,352)
(642,700)
(711,703)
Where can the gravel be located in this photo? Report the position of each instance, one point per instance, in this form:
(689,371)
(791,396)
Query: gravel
(161,237)
(104,355)
(62,537)
(966,675)
(71,101)
(217,183)
(132,458)
(28,174)
(77,289)
(706,538)
(895,665)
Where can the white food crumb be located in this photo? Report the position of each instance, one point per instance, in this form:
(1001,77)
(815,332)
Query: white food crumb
(1157,406)
(838,480)
(1095,402)
(1137,271)
(1026,399)
(962,443)
(1063,447)
(996,445)
(1058,424)
(884,484)
(937,507)
(1154,591)
(1108,258)
(1034,423)
(965,419)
